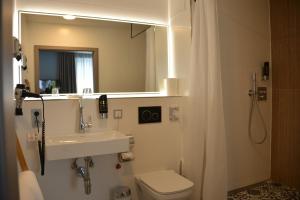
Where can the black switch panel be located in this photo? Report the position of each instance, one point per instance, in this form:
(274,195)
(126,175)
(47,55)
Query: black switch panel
(150,114)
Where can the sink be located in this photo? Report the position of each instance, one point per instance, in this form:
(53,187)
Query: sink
(86,144)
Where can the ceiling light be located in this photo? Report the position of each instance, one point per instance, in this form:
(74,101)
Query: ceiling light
(69,17)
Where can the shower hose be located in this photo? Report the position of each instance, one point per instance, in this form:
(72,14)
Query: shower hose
(254,103)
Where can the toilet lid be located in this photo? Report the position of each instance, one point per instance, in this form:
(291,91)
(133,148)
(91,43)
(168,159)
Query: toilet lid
(166,182)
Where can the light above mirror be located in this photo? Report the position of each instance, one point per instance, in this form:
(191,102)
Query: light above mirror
(69,17)
(122,56)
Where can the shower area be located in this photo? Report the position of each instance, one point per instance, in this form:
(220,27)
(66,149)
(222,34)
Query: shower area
(249,141)
(285,129)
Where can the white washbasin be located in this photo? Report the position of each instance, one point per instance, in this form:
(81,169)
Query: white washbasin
(86,144)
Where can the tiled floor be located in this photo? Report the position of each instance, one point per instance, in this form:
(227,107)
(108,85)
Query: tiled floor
(266,191)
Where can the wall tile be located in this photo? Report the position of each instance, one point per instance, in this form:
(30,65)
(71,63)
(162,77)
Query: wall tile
(279,18)
(295,60)
(285,22)
(282,73)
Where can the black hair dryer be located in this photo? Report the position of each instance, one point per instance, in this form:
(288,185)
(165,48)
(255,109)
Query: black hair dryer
(20,94)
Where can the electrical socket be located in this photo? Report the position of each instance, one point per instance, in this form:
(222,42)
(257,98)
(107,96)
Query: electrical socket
(33,119)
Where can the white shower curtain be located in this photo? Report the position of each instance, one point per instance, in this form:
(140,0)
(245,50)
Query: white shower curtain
(204,144)
(84,71)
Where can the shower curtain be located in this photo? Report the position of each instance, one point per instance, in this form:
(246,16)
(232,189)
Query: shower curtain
(204,142)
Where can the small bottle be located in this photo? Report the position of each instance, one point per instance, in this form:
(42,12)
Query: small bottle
(266,71)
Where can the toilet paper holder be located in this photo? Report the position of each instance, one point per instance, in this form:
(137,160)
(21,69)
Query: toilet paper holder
(127,156)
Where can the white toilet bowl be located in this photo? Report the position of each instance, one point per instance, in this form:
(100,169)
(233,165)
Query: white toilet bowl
(164,185)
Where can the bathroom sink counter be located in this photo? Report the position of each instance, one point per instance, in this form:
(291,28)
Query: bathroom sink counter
(78,145)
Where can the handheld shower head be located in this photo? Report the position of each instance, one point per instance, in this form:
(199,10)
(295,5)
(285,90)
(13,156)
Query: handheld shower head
(254,76)
(252,91)
(253,94)
(254,83)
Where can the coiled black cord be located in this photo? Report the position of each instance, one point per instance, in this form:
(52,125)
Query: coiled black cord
(41,143)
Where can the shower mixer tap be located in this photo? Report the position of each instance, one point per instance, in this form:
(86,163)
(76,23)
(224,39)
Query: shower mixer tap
(257,94)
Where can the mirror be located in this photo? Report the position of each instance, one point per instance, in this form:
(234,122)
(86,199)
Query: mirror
(69,56)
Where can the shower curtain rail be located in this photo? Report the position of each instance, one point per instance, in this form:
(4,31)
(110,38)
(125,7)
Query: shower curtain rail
(137,34)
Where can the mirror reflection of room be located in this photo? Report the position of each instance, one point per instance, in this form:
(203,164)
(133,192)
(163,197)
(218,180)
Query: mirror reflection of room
(131,57)
(65,71)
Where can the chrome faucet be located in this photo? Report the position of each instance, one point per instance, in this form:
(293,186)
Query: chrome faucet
(83,125)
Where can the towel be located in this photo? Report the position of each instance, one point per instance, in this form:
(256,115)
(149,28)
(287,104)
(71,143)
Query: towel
(29,187)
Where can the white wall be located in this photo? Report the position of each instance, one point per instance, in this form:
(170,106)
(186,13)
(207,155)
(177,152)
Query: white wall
(117,51)
(154,11)
(245,45)
(157,146)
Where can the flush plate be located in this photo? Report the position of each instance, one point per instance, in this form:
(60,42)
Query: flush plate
(150,114)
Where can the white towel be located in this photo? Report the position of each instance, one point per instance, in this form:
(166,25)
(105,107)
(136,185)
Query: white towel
(29,187)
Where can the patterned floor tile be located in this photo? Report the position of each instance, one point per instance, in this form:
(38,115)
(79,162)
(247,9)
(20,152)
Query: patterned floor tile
(266,191)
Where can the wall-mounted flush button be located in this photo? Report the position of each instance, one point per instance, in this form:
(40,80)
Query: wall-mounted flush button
(149,114)
(155,116)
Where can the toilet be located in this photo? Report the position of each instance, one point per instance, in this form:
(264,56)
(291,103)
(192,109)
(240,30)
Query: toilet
(163,185)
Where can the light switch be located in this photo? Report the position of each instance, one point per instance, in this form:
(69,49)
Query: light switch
(173,113)
(118,113)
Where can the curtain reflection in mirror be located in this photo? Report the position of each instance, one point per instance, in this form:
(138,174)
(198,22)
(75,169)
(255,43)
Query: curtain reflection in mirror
(67,72)
(84,71)
(150,78)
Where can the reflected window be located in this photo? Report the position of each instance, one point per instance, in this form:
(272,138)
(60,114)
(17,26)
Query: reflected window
(67,71)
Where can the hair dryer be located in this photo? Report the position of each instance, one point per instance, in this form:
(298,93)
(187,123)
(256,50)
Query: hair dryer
(20,94)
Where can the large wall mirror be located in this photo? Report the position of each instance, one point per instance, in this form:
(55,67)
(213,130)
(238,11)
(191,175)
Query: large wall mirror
(94,54)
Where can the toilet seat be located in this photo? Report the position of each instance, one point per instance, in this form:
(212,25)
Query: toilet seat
(165,184)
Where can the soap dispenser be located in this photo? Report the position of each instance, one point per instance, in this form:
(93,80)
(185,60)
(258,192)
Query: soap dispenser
(103,107)
(266,71)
